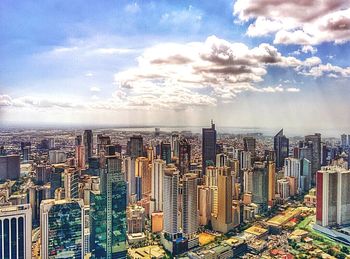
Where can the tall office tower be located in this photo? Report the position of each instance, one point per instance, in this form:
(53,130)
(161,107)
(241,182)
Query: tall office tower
(165,152)
(292,168)
(283,188)
(55,179)
(88,143)
(184,156)
(248,181)
(102,142)
(324,154)
(189,204)
(170,200)
(272,182)
(135,215)
(157,185)
(62,228)
(221,160)
(316,154)
(143,177)
(51,143)
(281,148)
(250,145)
(204,205)
(305,175)
(129,164)
(108,212)
(260,186)
(136,146)
(9,167)
(80,156)
(71,182)
(245,160)
(332,196)
(150,154)
(37,194)
(42,173)
(175,144)
(57,156)
(16,231)
(223,220)
(208,146)
(26,153)
(78,140)
(343,141)
(211,176)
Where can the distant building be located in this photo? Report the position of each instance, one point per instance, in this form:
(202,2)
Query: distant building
(189,204)
(249,144)
(9,167)
(281,148)
(184,156)
(165,152)
(314,141)
(260,186)
(136,146)
(88,143)
(208,146)
(16,231)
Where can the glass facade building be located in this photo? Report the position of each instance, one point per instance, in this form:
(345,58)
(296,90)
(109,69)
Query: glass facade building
(62,228)
(108,213)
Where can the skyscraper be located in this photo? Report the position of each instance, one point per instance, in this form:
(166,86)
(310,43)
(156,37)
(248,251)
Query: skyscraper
(184,156)
(71,182)
(136,146)
(9,167)
(108,212)
(16,231)
(272,182)
(208,146)
(62,228)
(343,140)
(260,186)
(223,220)
(170,200)
(249,145)
(332,196)
(88,144)
(189,204)
(165,151)
(157,185)
(281,148)
(315,141)
(292,168)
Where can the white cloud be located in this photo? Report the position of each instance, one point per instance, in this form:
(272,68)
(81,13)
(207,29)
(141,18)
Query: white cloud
(293,89)
(95,89)
(300,22)
(132,8)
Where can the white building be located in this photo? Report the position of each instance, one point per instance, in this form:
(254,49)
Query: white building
(158,166)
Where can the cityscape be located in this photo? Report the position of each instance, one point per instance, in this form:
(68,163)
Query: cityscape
(175,129)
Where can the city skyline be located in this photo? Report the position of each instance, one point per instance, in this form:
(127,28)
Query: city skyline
(242,63)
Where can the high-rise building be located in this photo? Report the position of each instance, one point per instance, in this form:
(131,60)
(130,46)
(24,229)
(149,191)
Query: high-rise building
(9,167)
(281,148)
(16,231)
(332,196)
(80,156)
(292,168)
(208,146)
(57,156)
(248,181)
(143,174)
(249,144)
(170,200)
(135,219)
(222,222)
(343,140)
(165,152)
(175,144)
(283,188)
(37,194)
(62,228)
(272,182)
(157,185)
(71,182)
(108,212)
(136,146)
(260,186)
(204,205)
(184,156)
(78,140)
(315,141)
(245,160)
(88,144)
(305,175)
(102,143)
(221,160)
(189,204)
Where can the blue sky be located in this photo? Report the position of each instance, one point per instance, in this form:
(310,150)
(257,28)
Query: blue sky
(244,63)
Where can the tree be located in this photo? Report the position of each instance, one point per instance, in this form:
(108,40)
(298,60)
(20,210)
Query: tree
(345,250)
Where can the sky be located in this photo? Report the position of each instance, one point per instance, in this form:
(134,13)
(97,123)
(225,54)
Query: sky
(244,63)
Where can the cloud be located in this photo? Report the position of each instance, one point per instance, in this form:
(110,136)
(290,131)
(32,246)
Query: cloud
(132,8)
(95,89)
(303,22)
